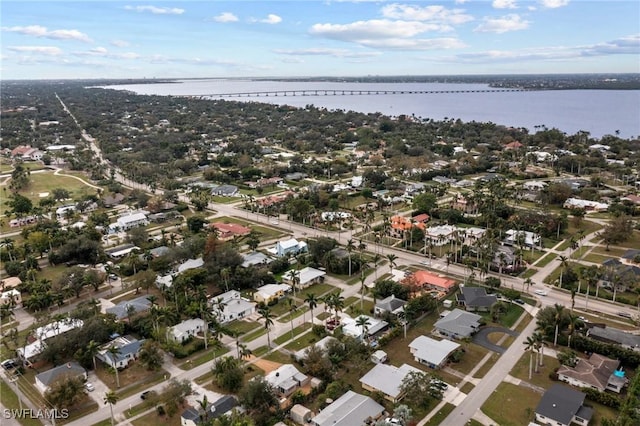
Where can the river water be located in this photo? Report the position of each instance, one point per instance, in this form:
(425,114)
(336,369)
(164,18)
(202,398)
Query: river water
(599,112)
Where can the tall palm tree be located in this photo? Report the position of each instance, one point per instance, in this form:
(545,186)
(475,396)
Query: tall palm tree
(363,322)
(362,280)
(266,315)
(557,317)
(392,261)
(92,350)
(114,351)
(294,274)
(530,345)
(111,398)
(350,247)
(312,301)
(540,344)
(563,265)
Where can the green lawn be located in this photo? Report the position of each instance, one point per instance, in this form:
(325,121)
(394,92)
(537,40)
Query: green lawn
(10,401)
(296,331)
(442,414)
(546,260)
(242,327)
(541,378)
(521,403)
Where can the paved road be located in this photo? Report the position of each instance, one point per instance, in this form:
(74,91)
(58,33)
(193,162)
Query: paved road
(482,338)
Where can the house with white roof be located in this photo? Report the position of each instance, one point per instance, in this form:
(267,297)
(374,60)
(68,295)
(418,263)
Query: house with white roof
(191,264)
(349,410)
(231,306)
(128,351)
(387,379)
(12,296)
(528,239)
(131,220)
(286,379)
(431,352)
(373,326)
(307,276)
(183,331)
(270,292)
(290,247)
(588,205)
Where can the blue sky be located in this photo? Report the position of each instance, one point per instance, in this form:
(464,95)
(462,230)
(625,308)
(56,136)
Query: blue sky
(190,39)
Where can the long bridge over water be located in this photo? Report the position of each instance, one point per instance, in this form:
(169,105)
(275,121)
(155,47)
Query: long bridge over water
(344,92)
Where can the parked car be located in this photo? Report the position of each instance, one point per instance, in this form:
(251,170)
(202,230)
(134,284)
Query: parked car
(9,364)
(89,386)
(519,301)
(624,314)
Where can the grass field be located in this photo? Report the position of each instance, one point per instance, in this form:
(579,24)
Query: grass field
(521,403)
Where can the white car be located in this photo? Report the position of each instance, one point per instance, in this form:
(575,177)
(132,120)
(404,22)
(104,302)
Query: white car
(89,386)
(540,292)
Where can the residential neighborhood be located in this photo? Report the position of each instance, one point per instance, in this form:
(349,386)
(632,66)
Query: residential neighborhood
(360,275)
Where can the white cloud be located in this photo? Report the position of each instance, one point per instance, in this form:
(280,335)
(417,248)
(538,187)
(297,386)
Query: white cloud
(226,17)
(41,50)
(374,29)
(414,44)
(504,4)
(434,13)
(553,4)
(43,32)
(271,19)
(156,10)
(320,51)
(503,24)
(120,43)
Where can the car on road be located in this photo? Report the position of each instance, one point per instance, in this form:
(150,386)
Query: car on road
(540,292)
(519,301)
(89,386)
(624,314)
(147,394)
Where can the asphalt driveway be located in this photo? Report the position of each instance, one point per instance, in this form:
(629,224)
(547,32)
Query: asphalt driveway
(482,338)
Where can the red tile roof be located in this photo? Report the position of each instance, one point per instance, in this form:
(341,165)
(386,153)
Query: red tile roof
(426,278)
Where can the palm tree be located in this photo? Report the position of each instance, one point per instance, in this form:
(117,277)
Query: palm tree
(528,282)
(294,275)
(114,351)
(350,247)
(204,413)
(243,351)
(558,316)
(266,315)
(337,302)
(540,344)
(111,398)
(362,280)
(563,265)
(291,304)
(92,350)
(531,343)
(363,322)
(312,301)
(392,261)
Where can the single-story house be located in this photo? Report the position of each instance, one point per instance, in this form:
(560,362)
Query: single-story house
(349,410)
(137,305)
(431,352)
(307,276)
(562,406)
(191,416)
(66,371)
(186,329)
(129,221)
(286,379)
(57,328)
(190,264)
(228,231)
(290,247)
(321,344)
(387,380)
(121,251)
(30,351)
(596,372)
(476,299)
(231,306)
(391,304)
(255,258)
(615,336)
(12,296)
(270,292)
(129,349)
(425,281)
(9,282)
(351,328)
(458,324)
(528,239)
(225,190)
(588,205)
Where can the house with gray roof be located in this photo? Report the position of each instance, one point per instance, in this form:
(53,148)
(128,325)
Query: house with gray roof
(615,336)
(349,410)
(431,352)
(562,406)
(458,324)
(476,299)
(391,304)
(128,351)
(255,258)
(387,379)
(225,190)
(286,379)
(137,305)
(62,372)
(231,306)
(183,331)
(191,416)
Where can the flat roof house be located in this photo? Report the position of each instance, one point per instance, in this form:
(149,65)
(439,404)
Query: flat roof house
(387,380)
(232,307)
(62,372)
(373,326)
(286,379)
(350,409)
(307,276)
(562,406)
(458,324)
(431,352)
